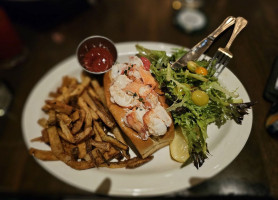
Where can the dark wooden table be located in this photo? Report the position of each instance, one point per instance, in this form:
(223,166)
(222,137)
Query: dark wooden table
(52,34)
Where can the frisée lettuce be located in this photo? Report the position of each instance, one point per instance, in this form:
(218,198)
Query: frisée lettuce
(193,119)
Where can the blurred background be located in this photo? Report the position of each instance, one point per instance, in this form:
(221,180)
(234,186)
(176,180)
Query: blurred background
(42,33)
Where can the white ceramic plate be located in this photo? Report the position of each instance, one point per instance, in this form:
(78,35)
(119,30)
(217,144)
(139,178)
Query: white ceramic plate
(162,175)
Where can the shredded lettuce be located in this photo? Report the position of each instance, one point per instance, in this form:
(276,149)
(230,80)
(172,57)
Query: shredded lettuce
(193,119)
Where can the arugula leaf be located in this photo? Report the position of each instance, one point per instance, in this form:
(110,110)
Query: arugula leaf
(193,119)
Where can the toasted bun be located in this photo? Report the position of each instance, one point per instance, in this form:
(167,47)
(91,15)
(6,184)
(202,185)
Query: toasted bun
(143,147)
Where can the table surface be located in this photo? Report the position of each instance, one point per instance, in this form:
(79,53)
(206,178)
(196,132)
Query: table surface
(54,35)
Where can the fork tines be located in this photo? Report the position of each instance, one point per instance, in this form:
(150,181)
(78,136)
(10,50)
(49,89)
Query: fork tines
(222,58)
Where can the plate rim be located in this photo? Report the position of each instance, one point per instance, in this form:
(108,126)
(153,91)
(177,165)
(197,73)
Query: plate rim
(120,192)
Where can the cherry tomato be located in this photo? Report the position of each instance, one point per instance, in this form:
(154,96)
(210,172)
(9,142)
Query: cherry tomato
(146,63)
(201,70)
(192,66)
(200,98)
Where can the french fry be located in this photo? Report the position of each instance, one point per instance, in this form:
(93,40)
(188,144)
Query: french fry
(79,137)
(67,146)
(101,155)
(78,124)
(118,135)
(59,106)
(81,149)
(68,82)
(134,163)
(119,156)
(80,88)
(89,101)
(114,165)
(51,118)
(54,94)
(37,139)
(108,138)
(89,156)
(46,108)
(107,117)
(89,146)
(43,122)
(97,156)
(68,86)
(99,90)
(63,94)
(101,145)
(113,153)
(97,136)
(61,134)
(43,154)
(45,136)
(129,164)
(96,106)
(92,93)
(88,110)
(79,165)
(67,133)
(85,79)
(93,114)
(63,117)
(88,120)
(75,116)
(119,164)
(88,132)
(55,142)
(115,142)
(72,82)
(75,153)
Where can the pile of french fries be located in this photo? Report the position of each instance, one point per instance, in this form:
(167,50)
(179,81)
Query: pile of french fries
(80,130)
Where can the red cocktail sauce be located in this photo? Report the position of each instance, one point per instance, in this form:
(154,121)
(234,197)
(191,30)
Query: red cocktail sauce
(98,59)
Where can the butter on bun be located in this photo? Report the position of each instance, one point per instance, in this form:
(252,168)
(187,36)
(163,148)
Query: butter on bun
(138,106)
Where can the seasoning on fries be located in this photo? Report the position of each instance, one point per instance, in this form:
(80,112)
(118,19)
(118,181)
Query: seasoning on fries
(80,130)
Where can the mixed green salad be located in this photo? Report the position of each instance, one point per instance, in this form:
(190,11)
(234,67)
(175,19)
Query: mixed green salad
(195,98)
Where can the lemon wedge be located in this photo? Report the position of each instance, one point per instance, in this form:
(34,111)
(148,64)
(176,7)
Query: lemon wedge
(179,147)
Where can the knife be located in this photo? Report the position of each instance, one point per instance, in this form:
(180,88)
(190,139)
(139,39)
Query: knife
(195,52)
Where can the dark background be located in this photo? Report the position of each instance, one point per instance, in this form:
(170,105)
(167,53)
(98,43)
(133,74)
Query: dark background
(51,31)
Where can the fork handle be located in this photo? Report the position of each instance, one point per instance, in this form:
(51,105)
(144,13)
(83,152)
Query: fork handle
(239,25)
(229,21)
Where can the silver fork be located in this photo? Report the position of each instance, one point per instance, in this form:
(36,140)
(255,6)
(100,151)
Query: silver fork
(195,52)
(223,55)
